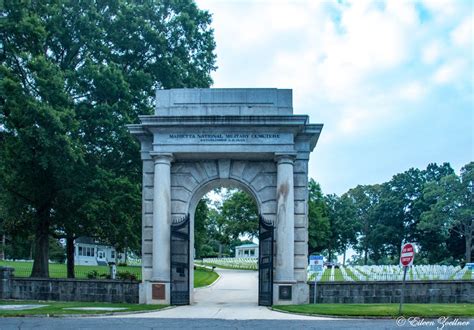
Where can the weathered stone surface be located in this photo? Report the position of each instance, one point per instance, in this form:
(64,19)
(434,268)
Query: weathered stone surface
(147,207)
(147,247)
(300,261)
(301,194)
(389,292)
(301,235)
(237,168)
(224,168)
(211,168)
(301,248)
(148,167)
(263,180)
(73,290)
(268,207)
(185,181)
(301,220)
(147,180)
(147,234)
(148,193)
(300,207)
(267,194)
(245,138)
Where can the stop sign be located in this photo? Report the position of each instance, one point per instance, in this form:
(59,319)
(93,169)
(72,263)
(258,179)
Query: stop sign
(407,255)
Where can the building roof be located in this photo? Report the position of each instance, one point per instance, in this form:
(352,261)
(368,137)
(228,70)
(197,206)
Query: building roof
(88,240)
(247,245)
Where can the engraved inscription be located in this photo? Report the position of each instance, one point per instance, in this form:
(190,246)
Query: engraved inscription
(234,137)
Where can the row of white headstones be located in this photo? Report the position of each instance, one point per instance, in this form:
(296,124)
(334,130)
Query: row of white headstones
(395,273)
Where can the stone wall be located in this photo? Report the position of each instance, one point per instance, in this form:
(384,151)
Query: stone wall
(66,289)
(389,292)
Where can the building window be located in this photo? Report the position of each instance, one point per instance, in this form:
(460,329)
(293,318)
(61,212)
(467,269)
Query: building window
(86,251)
(112,254)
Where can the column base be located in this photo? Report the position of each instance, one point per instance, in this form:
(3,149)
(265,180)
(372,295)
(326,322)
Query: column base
(290,293)
(154,293)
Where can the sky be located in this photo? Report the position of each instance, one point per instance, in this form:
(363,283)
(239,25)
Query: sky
(392,81)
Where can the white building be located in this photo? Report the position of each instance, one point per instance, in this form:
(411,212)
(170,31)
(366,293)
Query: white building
(246,251)
(88,251)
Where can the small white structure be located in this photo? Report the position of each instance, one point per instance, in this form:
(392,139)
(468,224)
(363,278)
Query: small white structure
(88,251)
(246,251)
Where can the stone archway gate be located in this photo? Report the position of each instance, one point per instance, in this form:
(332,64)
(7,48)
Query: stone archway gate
(200,139)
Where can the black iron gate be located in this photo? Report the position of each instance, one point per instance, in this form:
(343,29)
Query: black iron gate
(180,252)
(265,263)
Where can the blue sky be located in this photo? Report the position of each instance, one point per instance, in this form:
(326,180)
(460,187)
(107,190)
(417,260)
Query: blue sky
(392,81)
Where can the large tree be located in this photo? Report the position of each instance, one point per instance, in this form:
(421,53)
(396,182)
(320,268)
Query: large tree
(453,210)
(364,200)
(73,74)
(319,228)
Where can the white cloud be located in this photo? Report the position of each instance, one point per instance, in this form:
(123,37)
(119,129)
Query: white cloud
(449,72)
(432,52)
(363,68)
(413,91)
(462,34)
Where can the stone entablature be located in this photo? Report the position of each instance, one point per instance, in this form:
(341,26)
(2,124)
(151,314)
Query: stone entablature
(201,139)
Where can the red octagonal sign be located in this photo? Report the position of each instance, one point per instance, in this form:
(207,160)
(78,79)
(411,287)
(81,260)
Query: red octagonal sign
(407,255)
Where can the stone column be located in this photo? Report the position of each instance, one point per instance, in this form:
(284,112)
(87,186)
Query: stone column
(6,274)
(161,217)
(285,245)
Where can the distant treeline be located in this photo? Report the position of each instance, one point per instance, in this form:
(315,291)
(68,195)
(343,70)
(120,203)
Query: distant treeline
(433,208)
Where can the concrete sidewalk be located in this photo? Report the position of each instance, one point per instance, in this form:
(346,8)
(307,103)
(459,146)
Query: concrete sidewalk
(233,296)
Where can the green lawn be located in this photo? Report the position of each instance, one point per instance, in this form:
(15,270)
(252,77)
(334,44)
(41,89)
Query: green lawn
(57,308)
(204,277)
(210,264)
(381,310)
(23,269)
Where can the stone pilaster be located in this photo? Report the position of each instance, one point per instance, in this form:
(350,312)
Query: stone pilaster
(285,218)
(161,217)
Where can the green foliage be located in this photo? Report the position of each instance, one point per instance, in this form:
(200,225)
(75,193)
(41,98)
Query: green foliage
(238,216)
(453,207)
(319,225)
(220,226)
(73,74)
(126,275)
(200,233)
(431,207)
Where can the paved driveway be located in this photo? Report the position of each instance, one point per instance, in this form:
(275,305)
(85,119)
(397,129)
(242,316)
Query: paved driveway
(233,296)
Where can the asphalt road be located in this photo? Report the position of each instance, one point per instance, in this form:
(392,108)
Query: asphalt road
(182,324)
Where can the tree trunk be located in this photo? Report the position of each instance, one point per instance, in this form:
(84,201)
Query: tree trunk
(344,259)
(70,256)
(41,258)
(219,255)
(32,248)
(365,257)
(2,249)
(468,238)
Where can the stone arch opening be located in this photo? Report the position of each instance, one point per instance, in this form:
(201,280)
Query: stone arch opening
(198,194)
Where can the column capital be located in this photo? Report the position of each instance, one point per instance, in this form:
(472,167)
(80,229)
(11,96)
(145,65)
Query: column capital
(285,158)
(162,158)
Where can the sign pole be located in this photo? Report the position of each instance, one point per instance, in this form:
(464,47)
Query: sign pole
(316,266)
(403,289)
(315,289)
(406,259)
